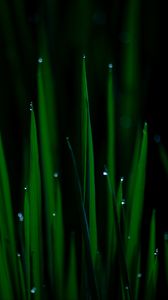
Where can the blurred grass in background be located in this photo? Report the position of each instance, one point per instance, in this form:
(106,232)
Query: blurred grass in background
(79,190)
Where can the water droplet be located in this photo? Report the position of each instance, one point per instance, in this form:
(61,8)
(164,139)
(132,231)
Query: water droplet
(157,138)
(105,173)
(18,255)
(54,214)
(84,56)
(40,60)
(127,288)
(129,237)
(55,175)
(139,275)
(20,216)
(110,66)
(122,179)
(166,236)
(25,188)
(33,290)
(123,202)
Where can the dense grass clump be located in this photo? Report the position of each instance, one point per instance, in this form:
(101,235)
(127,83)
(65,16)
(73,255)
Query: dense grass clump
(84,229)
(64,261)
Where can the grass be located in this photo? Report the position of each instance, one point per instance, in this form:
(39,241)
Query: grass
(57,260)
(43,231)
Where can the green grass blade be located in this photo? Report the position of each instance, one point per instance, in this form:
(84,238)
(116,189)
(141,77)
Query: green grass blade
(92,198)
(137,282)
(120,244)
(84,124)
(6,289)
(130,100)
(90,176)
(58,244)
(120,202)
(35,211)
(111,228)
(7,223)
(111,128)
(27,242)
(72,284)
(131,182)
(85,231)
(152,262)
(111,234)
(133,245)
(48,145)
(22,278)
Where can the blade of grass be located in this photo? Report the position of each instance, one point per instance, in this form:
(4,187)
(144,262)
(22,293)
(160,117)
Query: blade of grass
(152,262)
(85,230)
(111,128)
(22,279)
(58,243)
(48,144)
(84,124)
(27,242)
(131,182)
(121,252)
(6,289)
(7,223)
(138,278)
(111,234)
(133,244)
(130,81)
(35,211)
(90,176)
(72,284)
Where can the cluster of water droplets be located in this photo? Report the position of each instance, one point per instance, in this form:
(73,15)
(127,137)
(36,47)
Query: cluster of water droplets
(156,252)
(31,106)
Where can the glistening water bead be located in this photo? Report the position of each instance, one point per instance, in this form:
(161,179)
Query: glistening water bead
(123,202)
(20,216)
(55,175)
(110,66)
(40,60)
(33,290)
